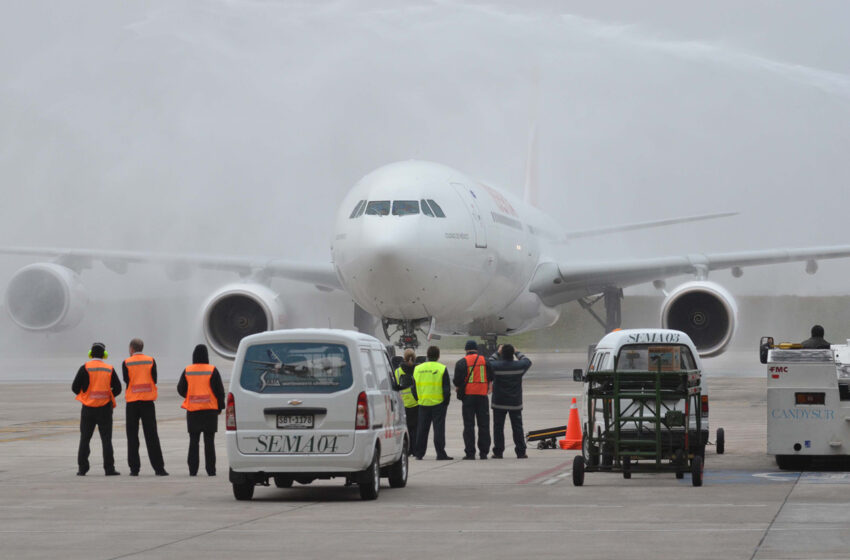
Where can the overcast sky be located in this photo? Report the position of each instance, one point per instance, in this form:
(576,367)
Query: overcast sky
(236,126)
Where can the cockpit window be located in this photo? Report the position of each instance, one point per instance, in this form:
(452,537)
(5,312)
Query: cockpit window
(436,208)
(378,208)
(426,209)
(357,209)
(405,207)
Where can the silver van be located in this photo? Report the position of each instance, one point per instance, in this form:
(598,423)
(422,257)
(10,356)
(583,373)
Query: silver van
(307,404)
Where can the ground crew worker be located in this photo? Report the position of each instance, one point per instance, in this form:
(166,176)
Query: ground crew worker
(817,340)
(473,378)
(507,398)
(96,386)
(404,378)
(433,391)
(200,384)
(139,372)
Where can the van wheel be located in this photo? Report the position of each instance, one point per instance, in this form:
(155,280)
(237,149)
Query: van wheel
(370,479)
(720,441)
(243,490)
(282,481)
(398,470)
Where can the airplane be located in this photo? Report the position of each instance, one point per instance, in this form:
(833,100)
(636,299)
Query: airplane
(422,248)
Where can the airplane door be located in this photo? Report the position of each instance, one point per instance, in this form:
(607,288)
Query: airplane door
(471,202)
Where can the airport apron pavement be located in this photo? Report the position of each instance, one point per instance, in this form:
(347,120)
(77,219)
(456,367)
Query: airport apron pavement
(491,509)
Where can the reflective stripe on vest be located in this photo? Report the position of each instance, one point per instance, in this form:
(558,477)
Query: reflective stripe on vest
(199,395)
(99,392)
(428,377)
(406,394)
(140,386)
(476,374)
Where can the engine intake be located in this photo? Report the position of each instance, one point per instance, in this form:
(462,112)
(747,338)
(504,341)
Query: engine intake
(46,297)
(703,310)
(237,311)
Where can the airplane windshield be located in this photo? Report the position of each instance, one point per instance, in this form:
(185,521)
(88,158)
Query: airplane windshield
(436,208)
(357,209)
(405,207)
(426,209)
(378,208)
(296,368)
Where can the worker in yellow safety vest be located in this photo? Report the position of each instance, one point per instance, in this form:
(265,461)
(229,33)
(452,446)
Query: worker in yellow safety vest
(433,390)
(200,385)
(96,386)
(139,371)
(404,378)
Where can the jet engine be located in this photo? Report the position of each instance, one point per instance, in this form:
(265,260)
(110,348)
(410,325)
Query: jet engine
(237,311)
(703,310)
(46,297)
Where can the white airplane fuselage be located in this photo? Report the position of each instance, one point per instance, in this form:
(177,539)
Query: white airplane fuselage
(469,270)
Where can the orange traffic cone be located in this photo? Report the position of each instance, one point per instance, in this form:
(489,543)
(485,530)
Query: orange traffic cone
(572,439)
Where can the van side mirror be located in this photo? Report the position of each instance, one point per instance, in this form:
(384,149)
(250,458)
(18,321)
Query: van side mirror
(578,375)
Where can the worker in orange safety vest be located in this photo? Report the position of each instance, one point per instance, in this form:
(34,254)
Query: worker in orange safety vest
(139,371)
(474,379)
(96,386)
(203,392)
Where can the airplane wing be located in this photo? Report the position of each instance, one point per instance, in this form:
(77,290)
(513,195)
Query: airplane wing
(570,235)
(322,275)
(558,283)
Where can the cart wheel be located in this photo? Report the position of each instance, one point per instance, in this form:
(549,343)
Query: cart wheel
(680,462)
(541,445)
(696,471)
(720,442)
(578,470)
(627,467)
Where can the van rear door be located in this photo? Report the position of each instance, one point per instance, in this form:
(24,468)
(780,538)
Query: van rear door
(296,398)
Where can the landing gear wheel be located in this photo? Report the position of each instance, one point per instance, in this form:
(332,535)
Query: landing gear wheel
(578,470)
(696,471)
(398,470)
(243,490)
(282,481)
(720,441)
(370,479)
(627,467)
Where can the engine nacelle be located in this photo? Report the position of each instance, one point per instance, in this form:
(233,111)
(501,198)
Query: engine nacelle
(703,310)
(237,311)
(46,297)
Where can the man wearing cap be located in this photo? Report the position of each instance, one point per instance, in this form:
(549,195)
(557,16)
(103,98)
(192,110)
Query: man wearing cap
(96,386)
(473,380)
(139,373)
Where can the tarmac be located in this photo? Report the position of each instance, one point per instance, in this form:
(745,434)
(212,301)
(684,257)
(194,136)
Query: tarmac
(492,509)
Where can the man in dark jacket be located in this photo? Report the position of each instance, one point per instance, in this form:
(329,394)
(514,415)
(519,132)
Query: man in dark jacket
(474,377)
(96,386)
(508,368)
(816,341)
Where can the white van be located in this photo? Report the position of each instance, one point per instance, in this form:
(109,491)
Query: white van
(307,404)
(642,350)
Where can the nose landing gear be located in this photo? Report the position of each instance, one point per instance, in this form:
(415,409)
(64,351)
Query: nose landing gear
(407,328)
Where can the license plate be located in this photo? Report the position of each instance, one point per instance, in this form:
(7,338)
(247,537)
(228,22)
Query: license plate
(294,420)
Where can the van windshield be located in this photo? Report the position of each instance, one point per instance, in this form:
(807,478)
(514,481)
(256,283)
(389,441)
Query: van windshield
(296,367)
(645,357)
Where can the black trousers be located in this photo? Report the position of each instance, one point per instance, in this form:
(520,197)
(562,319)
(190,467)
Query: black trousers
(101,417)
(412,415)
(146,412)
(499,431)
(476,408)
(431,415)
(209,452)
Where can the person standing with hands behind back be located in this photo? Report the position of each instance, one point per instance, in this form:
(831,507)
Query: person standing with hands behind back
(200,385)
(507,398)
(140,376)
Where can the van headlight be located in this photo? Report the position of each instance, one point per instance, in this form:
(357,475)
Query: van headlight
(843,371)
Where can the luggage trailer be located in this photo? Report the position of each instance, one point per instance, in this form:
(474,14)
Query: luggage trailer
(808,403)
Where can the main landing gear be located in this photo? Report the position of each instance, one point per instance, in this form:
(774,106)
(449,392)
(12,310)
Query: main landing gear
(611,299)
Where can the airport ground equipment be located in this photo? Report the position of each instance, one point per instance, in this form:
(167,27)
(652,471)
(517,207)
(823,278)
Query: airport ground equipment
(547,437)
(808,404)
(634,424)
